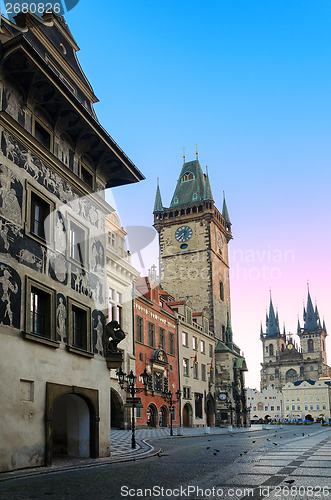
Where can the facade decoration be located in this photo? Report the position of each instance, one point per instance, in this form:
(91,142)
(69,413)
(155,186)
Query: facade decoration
(266,405)
(55,163)
(307,400)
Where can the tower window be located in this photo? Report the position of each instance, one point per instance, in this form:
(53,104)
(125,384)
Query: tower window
(188,176)
(175,200)
(310,345)
(271,350)
(195,196)
(221,290)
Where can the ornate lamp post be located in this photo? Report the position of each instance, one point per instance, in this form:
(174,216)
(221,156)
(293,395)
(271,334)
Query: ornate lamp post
(167,396)
(128,384)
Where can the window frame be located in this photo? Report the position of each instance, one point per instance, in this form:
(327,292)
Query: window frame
(171,341)
(89,170)
(32,191)
(151,331)
(50,340)
(47,129)
(72,303)
(85,257)
(140,323)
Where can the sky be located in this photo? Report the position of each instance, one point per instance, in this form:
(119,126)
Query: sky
(248,81)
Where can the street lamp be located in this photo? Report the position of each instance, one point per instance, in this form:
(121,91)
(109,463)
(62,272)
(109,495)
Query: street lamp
(128,384)
(167,396)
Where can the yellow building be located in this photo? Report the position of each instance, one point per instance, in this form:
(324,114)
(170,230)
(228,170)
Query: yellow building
(307,400)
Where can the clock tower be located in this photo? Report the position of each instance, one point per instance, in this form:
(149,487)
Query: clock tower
(194,237)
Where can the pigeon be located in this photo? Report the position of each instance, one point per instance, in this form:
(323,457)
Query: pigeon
(245,451)
(303,433)
(231,435)
(209,439)
(275,444)
(275,436)
(215,453)
(208,447)
(290,481)
(216,450)
(268,439)
(241,454)
(253,441)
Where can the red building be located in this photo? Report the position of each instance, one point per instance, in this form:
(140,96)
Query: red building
(156,349)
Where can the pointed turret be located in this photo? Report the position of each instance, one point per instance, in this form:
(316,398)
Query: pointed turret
(310,318)
(324,327)
(225,212)
(261,333)
(299,327)
(272,325)
(158,200)
(228,330)
(207,194)
(284,331)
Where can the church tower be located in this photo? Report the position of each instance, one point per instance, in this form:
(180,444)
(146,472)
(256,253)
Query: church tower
(312,337)
(194,237)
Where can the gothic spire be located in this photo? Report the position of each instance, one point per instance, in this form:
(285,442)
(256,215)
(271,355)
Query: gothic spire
(228,330)
(272,324)
(190,185)
(158,200)
(207,194)
(310,317)
(225,212)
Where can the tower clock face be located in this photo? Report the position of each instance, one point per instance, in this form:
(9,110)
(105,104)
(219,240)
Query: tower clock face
(219,239)
(183,233)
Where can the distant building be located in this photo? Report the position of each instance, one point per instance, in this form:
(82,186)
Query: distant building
(265,405)
(307,400)
(283,360)
(196,362)
(120,281)
(156,350)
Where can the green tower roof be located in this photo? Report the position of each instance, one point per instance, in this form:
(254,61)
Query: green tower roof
(225,212)
(190,186)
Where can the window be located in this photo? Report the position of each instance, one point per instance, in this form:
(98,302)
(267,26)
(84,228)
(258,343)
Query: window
(221,290)
(272,408)
(161,338)
(324,406)
(198,405)
(115,306)
(188,176)
(184,339)
(210,351)
(141,356)
(175,200)
(39,207)
(271,350)
(79,326)
(318,407)
(265,408)
(42,135)
(202,346)
(310,345)
(151,334)
(86,176)
(194,342)
(278,408)
(293,407)
(40,312)
(185,367)
(287,407)
(195,370)
(311,407)
(111,239)
(77,243)
(171,344)
(195,196)
(203,372)
(139,329)
(138,412)
(186,392)
(306,407)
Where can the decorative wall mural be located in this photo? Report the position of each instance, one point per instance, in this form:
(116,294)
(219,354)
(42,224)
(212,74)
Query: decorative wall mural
(10,296)
(10,196)
(8,234)
(60,233)
(61,317)
(13,104)
(98,324)
(98,256)
(58,268)
(80,282)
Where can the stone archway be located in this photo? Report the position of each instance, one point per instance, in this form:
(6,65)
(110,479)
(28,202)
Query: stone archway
(210,411)
(72,421)
(71,427)
(163,416)
(116,410)
(151,415)
(187,415)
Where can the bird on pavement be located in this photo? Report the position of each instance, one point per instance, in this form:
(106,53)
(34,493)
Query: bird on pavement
(268,439)
(208,447)
(253,441)
(216,450)
(275,444)
(289,481)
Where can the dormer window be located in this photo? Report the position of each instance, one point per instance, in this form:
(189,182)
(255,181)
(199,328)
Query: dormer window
(188,176)
(175,201)
(195,196)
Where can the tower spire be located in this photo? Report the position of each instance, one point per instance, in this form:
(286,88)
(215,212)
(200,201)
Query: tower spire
(273,321)
(207,195)
(310,316)
(158,200)
(225,212)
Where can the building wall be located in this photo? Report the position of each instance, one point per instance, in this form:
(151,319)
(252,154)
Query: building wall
(267,403)
(307,398)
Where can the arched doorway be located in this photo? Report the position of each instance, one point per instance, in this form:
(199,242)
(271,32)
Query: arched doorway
(71,426)
(210,411)
(116,410)
(151,415)
(187,415)
(163,416)
(309,418)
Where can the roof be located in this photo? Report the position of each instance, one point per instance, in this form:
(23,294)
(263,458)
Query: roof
(190,186)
